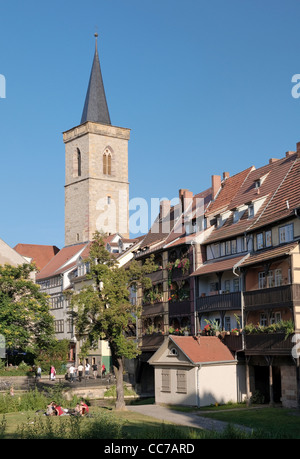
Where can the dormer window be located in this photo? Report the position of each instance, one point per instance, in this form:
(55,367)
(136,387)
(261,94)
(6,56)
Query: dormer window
(235,216)
(250,211)
(257,183)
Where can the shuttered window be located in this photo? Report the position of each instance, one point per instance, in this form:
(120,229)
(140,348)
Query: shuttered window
(165,381)
(181,381)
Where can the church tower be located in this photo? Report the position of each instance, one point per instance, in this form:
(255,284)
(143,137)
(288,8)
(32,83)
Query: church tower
(96,162)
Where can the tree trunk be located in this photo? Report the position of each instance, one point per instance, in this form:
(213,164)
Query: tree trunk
(120,402)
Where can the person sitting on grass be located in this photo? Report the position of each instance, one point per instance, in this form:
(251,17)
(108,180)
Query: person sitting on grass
(84,409)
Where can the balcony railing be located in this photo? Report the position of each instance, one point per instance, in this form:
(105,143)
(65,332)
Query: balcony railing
(268,344)
(178,308)
(151,342)
(224,301)
(156,276)
(282,296)
(260,344)
(153,309)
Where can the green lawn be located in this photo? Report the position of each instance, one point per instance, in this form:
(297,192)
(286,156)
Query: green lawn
(269,421)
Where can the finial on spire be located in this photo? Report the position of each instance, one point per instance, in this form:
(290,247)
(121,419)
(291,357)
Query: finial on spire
(96,39)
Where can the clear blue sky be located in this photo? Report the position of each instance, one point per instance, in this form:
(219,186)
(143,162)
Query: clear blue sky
(204,86)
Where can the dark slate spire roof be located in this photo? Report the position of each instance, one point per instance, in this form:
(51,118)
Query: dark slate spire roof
(95,106)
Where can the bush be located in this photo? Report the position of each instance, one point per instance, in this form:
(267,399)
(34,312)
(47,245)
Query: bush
(112,391)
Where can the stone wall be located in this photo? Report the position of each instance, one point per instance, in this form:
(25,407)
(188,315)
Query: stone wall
(289,386)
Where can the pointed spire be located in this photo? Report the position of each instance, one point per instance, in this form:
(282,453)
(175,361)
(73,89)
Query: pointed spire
(95,106)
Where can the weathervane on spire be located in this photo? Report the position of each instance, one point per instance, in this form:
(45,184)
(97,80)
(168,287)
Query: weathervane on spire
(96,37)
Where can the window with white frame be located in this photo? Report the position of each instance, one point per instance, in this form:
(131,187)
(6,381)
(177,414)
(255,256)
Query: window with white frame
(275,317)
(261,280)
(59,326)
(227,323)
(236,285)
(260,241)
(216,250)
(233,246)
(278,277)
(270,279)
(263,321)
(286,233)
(227,286)
(228,247)
(268,237)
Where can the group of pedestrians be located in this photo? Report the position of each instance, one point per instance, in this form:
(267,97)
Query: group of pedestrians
(84,371)
(73,372)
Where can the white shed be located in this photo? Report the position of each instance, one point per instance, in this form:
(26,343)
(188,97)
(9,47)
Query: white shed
(196,371)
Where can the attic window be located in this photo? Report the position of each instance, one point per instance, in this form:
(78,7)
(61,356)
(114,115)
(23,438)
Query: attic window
(235,216)
(257,183)
(173,351)
(250,211)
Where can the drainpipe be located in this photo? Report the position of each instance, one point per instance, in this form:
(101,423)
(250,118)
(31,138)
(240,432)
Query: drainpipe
(242,296)
(194,282)
(198,385)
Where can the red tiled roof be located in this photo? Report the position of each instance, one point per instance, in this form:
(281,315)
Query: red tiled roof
(40,254)
(219,265)
(229,190)
(284,200)
(210,349)
(282,180)
(269,254)
(55,266)
(275,172)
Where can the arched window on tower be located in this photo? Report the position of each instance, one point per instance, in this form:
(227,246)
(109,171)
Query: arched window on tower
(78,163)
(107,162)
(104,164)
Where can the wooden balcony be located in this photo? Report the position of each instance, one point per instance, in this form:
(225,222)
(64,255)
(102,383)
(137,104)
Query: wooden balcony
(151,342)
(260,343)
(268,344)
(177,273)
(283,296)
(223,301)
(153,309)
(233,342)
(179,308)
(156,276)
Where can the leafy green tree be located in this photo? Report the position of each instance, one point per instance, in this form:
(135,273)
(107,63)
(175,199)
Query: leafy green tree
(25,321)
(103,310)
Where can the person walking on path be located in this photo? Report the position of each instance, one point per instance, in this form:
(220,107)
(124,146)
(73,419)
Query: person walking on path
(72,373)
(87,369)
(38,373)
(52,373)
(103,370)
(80,371)
(95,370)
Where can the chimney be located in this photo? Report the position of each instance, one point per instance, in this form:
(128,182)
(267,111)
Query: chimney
(164,208)
(226,175)
(290,153)
(216,184)
(272,160)
(298,149)
(185,198)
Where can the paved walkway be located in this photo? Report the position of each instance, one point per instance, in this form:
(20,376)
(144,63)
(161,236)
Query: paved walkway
(182,418)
